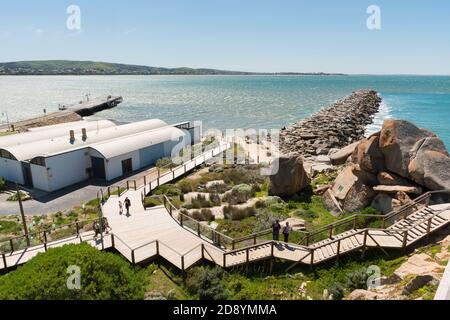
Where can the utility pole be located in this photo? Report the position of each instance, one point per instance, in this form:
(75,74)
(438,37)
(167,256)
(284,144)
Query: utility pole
(100,214)
(22,213)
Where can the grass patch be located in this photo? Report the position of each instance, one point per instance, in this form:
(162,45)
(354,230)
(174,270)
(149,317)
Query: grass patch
(162,282)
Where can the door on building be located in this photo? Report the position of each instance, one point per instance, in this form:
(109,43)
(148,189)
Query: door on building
(27,176)
(127,166)
(98,168)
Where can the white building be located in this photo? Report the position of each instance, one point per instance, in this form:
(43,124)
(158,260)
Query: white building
(54,157)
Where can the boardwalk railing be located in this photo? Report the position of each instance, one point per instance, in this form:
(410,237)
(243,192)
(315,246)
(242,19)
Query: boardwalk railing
(159,176)
(361,221)
(44,236)
(44,239)
(182,261)
(201,230)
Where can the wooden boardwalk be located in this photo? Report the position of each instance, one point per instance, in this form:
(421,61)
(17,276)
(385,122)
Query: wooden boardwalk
(165,232)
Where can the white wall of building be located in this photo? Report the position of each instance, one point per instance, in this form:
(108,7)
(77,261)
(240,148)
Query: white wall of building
(68,169)
(11,170)
(40,177)
(113,166)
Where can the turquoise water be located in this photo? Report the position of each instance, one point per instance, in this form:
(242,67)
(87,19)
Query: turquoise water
(233,101)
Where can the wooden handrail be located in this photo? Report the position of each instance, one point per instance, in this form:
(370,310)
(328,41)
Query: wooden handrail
(47,230)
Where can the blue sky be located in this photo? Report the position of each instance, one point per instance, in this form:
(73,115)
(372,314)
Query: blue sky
(248,35)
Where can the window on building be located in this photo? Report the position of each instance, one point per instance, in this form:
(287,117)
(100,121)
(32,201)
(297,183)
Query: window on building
(6,155)
(39,161)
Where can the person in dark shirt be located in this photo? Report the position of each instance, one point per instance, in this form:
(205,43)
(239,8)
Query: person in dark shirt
(276,227)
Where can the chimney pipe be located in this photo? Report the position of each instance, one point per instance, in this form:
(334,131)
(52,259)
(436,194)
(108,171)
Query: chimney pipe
(84,134)
(72,136)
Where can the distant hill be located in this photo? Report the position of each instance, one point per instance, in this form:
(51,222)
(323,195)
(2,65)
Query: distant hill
(64,67)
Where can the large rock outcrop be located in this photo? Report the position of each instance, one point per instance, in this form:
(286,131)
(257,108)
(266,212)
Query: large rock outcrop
(430,164)
(288,176)
(400,160)
(368,155)
(397,141)
(352,189)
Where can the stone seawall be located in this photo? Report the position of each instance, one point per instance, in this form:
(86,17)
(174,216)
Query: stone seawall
(334,127)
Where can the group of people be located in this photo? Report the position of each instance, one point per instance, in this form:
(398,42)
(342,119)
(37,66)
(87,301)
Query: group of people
(276,228)
(97,228)
(105,224)
(127,204)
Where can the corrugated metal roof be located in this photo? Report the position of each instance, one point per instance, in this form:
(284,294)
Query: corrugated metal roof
(61,144)
(119,146)
(48,132)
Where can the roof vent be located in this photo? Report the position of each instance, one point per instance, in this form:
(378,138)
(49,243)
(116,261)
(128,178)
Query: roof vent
(72,136)
(84,134)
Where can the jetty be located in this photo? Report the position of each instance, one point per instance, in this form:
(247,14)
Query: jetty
(69,113)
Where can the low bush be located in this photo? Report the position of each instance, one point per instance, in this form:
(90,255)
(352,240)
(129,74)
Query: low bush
(203,215)
(103,276)
(169,190)
(265,218)
(150,202)
(200,201)
(337,291)
(239,194)
(235,213)
(185,186)
(206,283)
(215,200)
(166,163)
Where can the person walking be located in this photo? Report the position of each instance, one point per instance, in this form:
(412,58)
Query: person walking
(286,232)
(127,206)
(106,226)
(120,207)
(276,230)
(96,229)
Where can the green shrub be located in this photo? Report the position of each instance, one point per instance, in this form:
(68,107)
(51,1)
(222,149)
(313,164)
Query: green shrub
(203,215)
(150,202)
(104,276)
(357,279)
(166,163)
(9,227)
(237,214)
(215,200)
(337,291)
(239,194)
(200,201)
(265,218)
(185,186)
(169,190)
(205,283)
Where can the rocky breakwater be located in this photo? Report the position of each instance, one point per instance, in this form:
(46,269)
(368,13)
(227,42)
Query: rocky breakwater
(337,126)
(389,168)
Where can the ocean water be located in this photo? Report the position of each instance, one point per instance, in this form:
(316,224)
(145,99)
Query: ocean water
(227,102)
